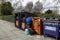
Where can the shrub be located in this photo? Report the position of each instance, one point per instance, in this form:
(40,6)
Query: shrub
(45,15)
(6,8)
(48,12)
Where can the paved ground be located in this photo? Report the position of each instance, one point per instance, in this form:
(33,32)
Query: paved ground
(9,32)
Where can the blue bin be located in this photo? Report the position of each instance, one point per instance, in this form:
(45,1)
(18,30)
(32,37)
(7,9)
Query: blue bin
(51,27)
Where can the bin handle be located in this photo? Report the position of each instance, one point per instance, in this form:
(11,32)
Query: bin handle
(59,30)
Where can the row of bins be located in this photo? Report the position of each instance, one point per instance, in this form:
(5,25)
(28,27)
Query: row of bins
(49,26)
(32,22)
(22,18)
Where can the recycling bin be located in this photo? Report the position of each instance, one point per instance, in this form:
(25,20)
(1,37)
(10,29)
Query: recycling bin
(16,20)
(29,25)
(16,23)
(51,27)
(28,22)
(37,25)
(23,26)
(23,21)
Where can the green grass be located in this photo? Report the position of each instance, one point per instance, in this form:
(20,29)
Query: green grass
(0,17)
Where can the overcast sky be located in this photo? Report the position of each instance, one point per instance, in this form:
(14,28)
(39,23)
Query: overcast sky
(26,1)
(46,3)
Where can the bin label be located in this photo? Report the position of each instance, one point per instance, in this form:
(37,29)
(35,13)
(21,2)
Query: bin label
(50,28)
(51,23)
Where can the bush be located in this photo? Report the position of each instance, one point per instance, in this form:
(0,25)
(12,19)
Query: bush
(6,8)
(45,15)
(48,12)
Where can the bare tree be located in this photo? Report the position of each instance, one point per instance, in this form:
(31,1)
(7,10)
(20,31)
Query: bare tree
(2,1)
(29,6)
(55,11)
(38,7)
(18,6)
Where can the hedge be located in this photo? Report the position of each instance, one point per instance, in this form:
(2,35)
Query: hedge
(48,15)
(9,18)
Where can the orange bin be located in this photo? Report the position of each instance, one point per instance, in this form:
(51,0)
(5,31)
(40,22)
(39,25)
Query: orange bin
(37,25)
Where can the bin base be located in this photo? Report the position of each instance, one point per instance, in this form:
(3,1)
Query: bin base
(46,35)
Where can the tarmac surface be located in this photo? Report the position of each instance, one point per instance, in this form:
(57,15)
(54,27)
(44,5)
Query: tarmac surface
(9,32)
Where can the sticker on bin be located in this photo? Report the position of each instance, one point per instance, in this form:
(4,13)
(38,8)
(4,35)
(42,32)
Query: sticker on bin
(50,28)
(59,30)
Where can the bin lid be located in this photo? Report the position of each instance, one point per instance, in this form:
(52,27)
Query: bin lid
(51,20)
(28,19)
